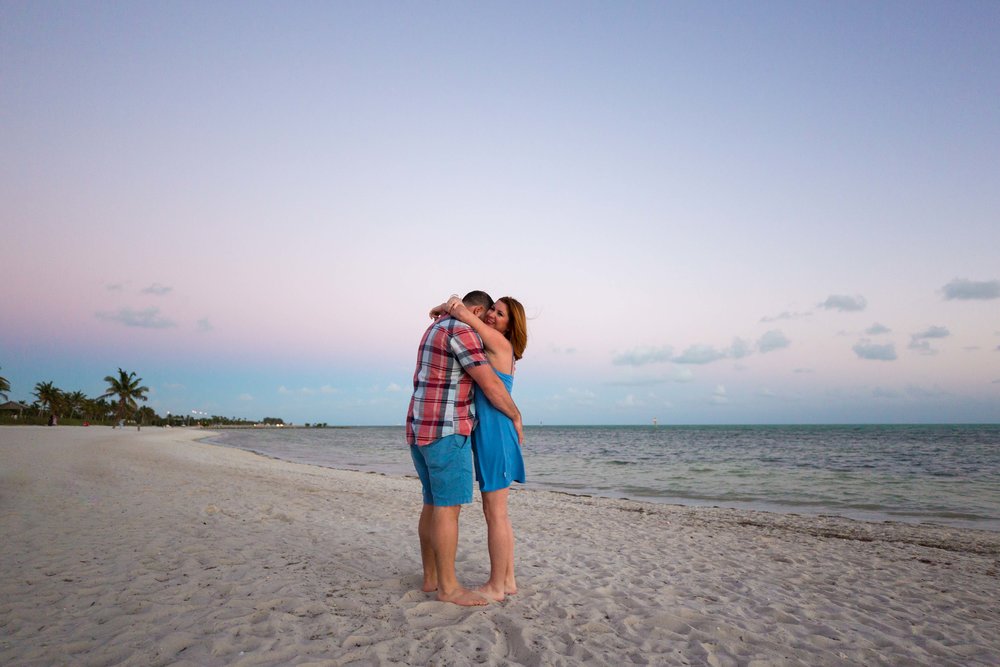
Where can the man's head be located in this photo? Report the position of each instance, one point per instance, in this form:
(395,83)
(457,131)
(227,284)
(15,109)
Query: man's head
(478,302)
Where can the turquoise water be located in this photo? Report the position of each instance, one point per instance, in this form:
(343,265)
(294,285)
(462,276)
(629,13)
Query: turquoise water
(945,474)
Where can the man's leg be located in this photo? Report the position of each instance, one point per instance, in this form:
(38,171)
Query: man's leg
(444,542)
(427,549)
(500,541)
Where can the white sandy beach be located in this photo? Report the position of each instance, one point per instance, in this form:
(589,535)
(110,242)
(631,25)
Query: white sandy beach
(148,548)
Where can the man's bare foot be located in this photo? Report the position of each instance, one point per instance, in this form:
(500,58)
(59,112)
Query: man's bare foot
(465,598)
(492,593)
(429,586)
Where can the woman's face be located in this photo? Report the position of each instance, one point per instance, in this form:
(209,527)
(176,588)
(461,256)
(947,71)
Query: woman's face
(497,317)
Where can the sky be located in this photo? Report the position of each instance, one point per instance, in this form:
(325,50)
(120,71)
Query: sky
(713,213)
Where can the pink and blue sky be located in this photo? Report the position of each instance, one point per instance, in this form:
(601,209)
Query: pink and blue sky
(727,212)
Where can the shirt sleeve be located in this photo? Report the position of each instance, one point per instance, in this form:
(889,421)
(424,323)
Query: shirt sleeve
(468,347)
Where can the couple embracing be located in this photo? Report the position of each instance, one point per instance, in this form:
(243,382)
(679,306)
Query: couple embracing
(462,419)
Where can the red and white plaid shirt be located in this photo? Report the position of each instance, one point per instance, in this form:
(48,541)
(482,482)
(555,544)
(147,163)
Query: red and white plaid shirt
(442,402)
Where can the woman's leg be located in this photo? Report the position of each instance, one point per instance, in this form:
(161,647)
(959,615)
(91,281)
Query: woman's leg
(500,539)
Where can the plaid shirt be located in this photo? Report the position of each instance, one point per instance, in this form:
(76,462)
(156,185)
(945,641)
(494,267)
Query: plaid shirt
(442,402)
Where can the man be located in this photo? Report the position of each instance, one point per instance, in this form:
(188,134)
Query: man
(450,360)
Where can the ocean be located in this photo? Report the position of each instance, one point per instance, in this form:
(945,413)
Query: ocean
(942,474)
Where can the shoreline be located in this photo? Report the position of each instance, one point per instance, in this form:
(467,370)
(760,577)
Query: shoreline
(947,510)
(152,547)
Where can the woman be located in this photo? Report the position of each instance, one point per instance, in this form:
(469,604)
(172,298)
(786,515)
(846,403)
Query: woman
(496,452)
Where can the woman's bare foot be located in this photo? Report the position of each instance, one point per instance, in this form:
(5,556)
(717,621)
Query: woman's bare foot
(492,593)
(429,586)
(465,598)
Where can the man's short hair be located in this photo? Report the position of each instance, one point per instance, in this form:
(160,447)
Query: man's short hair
(478,298)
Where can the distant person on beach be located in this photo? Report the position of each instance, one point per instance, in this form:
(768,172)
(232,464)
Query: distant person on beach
(450,361)
(495,441)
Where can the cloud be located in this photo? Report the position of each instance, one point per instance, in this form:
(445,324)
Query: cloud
(581,396)
(204,325)
(772,340)
(678,375)
(803,371)
(284,390)
(700,354)
(719,396)
(920,341)
(877,329)
(641,356)
(327,389)
(144,319)
(683,375)
(784,316)
(245,397)
(158,289)
(868,350)
(116,287)
(630,401)
(393,388)
(844,303)
(971,289)
(740,348)
(933,332)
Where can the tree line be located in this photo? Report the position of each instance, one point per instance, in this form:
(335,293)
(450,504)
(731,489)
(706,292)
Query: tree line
(119,403)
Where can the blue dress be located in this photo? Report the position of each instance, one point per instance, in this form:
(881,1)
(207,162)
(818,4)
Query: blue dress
(495,449)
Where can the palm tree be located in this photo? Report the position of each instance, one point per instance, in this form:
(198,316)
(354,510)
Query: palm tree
(126,388)
(48,395)
(75,402)
(4,387)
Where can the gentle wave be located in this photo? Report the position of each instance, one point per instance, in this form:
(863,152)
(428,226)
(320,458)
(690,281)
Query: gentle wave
(943,474)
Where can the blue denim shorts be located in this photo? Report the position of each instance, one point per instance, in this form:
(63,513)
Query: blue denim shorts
(445,470)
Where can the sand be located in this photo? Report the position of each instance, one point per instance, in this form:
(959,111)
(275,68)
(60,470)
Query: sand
(149,548)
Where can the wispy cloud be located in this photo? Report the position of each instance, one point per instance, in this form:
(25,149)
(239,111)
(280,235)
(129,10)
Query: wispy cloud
(700,354)
(679,375)
(971,289)
(877,329)
(392,388)
(845,303)
(115,287)
(157,289)
(740,348)
(245,397)
(145,319)
(204,326)
(786,315)
(920,341)
(581,396)
(865,349)
(719,396)
(642,356)
(772,340)
(630,401)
